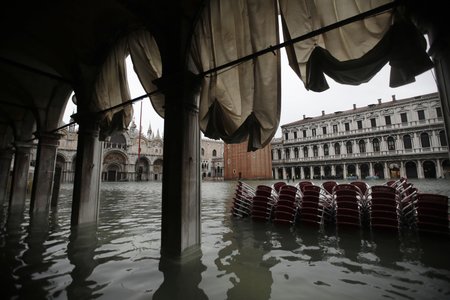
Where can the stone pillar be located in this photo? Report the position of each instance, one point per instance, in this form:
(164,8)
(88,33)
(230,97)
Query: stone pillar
(358,170)
(420,174)
(5,168)
(402,169)
(322,174)
(371,172)
(284,173)
(302,173)
(311,172)
(43,173)
(88,166)
(19,180)
(333,170)
(293,173)
(275,173)
(387,173)
(439,173)
(181,205)
(344,169)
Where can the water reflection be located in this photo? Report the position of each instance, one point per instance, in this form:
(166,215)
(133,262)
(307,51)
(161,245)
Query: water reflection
(181,279)
(80,252)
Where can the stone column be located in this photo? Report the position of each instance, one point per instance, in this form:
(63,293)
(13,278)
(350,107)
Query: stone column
(284,173)
(19,180)
(322,174)
(44,172)
(88,166)
(293,173)
(402,169)
(371,172)
(311,172)
(302,173)
(333,170)
(344,169)
(387,173)
(439,173)
(275,173)
(5,168)
(420,174)
(181,205)
(358,170)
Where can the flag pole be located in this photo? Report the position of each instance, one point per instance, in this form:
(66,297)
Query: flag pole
(140,129)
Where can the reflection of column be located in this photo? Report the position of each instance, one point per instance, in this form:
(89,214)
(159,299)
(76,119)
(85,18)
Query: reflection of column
(19,182)
(5,167)
(185,276)
(43,172)
(80,252)
(86,187)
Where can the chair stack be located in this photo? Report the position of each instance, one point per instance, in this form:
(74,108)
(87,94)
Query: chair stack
(432,213)
(242,200)
(262,203)
(286,208)
(384,209)
(347,199)
(311,210)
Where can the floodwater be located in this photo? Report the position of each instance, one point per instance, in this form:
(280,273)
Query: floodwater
(238,259)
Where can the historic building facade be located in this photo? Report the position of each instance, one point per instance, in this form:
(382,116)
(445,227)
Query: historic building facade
(240,164)
(386,140)
(131,156)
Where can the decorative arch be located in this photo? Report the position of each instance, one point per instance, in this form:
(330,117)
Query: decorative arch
(114,166)
(411,169)
(429,169)
(142,169)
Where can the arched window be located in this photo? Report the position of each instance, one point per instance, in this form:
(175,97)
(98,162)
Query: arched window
(391,143)
(315,151)
(425,140)
(326,151)
(305,151)
(443,138)
(337,149)
(214,153)
(279,153)
(362,146)
(296,152)
(376,145)
(407,141)
(203,152)
(349,147)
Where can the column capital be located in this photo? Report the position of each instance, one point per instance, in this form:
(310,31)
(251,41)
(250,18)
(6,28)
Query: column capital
(22,146)
(48,138)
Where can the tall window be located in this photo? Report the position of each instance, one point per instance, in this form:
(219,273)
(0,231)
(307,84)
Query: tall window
(349,147)
(313,132)
(347,126)
(373,122)
(203,152)
(425,140)
(362,146)
(295,134)
(315,151)
(443,138)
(421,114)
(407,141)
(404,118)
(376,145)
(438,112)
(335,128)
(337,149)
(324,130)
(288,153)
(286,136)
(279,153)
(387,120)
(326,151)
(296,152)
(391,143)
(305,151)
(214,153)
(304,133)
(359,123)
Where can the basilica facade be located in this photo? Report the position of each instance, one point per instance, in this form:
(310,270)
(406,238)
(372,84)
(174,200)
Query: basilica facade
(134,156)
(397,138)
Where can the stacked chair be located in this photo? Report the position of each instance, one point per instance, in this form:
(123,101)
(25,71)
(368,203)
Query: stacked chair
(432,213)
(263,203)
(242,200)
(384,207)
(311,209)
(348,202)
(286,208)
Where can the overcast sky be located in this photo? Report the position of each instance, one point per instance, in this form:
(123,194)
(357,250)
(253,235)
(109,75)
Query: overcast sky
(297,101)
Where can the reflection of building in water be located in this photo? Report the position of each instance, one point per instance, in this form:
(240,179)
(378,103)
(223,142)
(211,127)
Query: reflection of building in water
(122,160)
(397,138)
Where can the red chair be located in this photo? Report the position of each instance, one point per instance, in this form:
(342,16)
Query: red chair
(432,213)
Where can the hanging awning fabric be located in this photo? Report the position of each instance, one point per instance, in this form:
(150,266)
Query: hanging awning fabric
(242,102)
(111,89)
(147,64)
